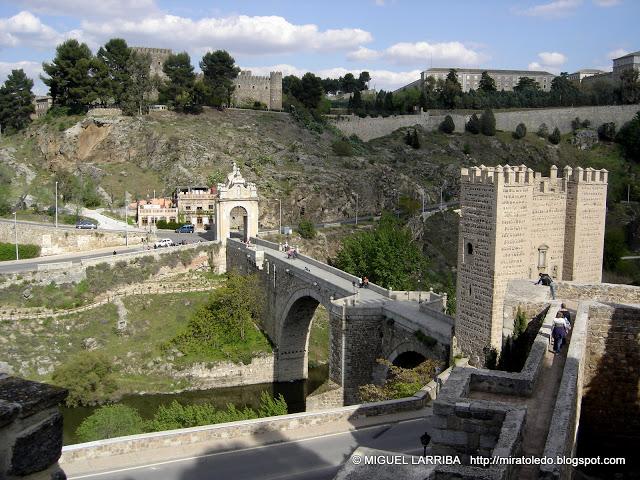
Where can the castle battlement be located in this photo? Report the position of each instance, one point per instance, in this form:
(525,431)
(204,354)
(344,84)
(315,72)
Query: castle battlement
(521,175)
(156,51)
(258,88)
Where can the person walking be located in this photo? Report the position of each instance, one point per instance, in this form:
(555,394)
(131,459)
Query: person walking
(545,279)
(365,282)
(559,332)
(566,314)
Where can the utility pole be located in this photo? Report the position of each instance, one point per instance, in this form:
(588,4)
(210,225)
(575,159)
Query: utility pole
(280,216)
(356,208)
(126,222)
(56,204)
(422,202)
(15,228)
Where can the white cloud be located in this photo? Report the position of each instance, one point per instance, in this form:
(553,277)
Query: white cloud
(363,54)
(32,69)
(552,58)
(380,79)
(607,3)
(238,34)
(379,3)
(617,53)
(423,53)
(84,8)
(24,28)
(554,9)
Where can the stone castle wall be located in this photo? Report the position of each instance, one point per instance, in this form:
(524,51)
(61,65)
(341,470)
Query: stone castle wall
(516,224)
(53,241)
(158,57)
(369,128)
(252,88)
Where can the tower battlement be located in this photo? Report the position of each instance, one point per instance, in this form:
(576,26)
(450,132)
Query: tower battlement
(522,175)
(249,89)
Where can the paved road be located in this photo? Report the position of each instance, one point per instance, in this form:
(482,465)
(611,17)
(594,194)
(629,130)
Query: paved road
(316,458)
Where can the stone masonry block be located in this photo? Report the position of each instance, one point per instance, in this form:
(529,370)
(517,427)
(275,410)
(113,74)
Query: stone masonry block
(33,397)
(39,448)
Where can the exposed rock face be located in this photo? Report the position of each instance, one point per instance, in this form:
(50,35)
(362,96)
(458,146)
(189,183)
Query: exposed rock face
(585,139)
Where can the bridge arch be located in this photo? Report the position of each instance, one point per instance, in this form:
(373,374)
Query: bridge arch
(293,331)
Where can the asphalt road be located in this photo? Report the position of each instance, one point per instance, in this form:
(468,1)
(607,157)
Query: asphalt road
(317,458)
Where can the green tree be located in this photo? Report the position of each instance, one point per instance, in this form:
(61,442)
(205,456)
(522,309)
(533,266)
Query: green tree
(292,85)
(141,83)
(219,69)
(555,136)
(607,131)
(520,132)
(89,378)
(629,138)
(16,101)
(519,323)
(363,79)
(564,90)
(543,131)
(630,86)
(178,90)
(415,140)
(306,229)
(615,247)
(330,85)
(312,91)
(526,83)
(69,76)
(447,125)
(400,382)
(488,123)
(110,421)
(473,125)
(115,55)
(387,255)
(487,83)
(452,90)
(349,83)
(355,102)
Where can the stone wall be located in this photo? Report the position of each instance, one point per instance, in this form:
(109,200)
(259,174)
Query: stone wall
(253,88)
(369,128)
(104,112)
(30,430)
(613,366)
(53,241)
(229,374)
(599,292)
(329,395)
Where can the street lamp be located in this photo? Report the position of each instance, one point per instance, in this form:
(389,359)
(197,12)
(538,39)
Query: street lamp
(280,216)
(56,204)
(15,228)
(126,221)
(357,197)
(422,192)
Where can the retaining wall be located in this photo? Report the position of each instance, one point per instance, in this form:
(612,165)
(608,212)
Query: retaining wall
(229,374)
(53,240)
(369,128)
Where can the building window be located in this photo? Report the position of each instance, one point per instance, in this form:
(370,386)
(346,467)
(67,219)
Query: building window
(542,256)
(188,207)
(210,207)
(469,248)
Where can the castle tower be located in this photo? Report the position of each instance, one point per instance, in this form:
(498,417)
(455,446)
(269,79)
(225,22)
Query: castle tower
(275,82)
(516,224)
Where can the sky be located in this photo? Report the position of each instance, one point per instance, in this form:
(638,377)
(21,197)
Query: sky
(394,40)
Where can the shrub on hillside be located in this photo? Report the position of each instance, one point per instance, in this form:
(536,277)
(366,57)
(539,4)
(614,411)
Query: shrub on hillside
(8,251)
(110,421)
(555,136)
(306,229)
(400,383)
(342,148)
(88,376)
(447,125)
(488,123)
(607,132)
(520,132)
(473,125)
(543,131)
(629,138)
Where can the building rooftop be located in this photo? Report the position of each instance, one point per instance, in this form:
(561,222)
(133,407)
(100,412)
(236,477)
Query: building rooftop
(490,70)
(632,54)
(590,70)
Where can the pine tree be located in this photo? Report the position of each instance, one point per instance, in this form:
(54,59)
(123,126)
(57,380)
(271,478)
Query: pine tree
(520,132)
(70,76)
(177,91)
(141,83)
(115,55)
(488,123)
(219,69)
(555,136)
(473,125)
(447,125)
(16,101)
(415,140)
(487,83)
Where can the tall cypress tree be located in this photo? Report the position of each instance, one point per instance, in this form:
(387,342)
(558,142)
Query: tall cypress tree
(16,101)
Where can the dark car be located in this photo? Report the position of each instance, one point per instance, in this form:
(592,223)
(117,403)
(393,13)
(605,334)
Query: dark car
(185,229)
(86,225)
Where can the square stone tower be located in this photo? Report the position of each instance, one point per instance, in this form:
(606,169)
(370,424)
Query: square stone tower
(516,224)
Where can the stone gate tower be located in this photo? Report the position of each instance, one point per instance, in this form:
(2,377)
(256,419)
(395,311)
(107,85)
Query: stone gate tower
(239,195)
(516,224)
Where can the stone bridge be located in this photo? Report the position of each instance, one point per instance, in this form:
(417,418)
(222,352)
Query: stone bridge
(365,324)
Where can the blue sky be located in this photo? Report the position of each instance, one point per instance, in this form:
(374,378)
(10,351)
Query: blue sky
(392,39)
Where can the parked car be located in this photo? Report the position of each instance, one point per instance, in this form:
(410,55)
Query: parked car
(187,228)
(165,242)
(86,225)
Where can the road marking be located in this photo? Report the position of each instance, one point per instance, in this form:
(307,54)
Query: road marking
(177,460)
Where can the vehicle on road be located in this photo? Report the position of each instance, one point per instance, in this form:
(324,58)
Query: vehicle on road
(165,242)
(86,225)
(187,228)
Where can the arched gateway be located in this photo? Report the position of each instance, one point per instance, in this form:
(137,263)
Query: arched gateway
(236,206)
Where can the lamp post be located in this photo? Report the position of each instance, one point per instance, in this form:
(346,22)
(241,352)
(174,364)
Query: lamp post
(422,192)
(15,229)
(280,216)
(126,222)
(357,197)
(56,204)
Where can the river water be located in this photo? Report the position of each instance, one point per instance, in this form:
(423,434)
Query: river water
(293,392)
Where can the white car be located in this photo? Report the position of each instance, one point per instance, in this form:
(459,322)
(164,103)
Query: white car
(165,242)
